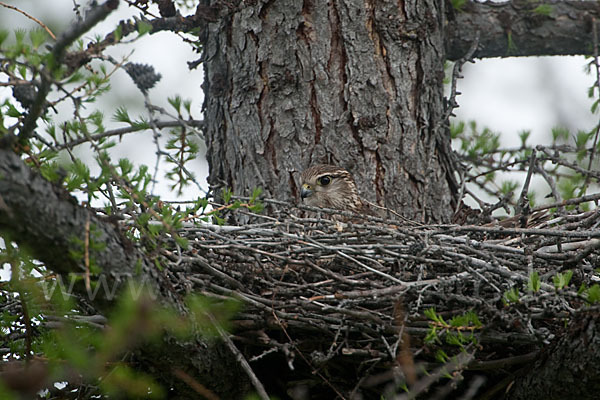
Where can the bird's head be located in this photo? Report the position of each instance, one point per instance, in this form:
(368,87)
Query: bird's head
(330,187)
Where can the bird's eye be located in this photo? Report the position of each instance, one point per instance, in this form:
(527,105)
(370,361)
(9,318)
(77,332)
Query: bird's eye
(324,180)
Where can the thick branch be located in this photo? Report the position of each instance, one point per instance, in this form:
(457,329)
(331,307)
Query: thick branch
(38,215)
(515,29)
(43,217)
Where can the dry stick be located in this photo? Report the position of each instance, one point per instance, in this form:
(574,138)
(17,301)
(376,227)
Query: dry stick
(358,294)
(552,185)
(570,246)
(565,163)
(501,167)
(506,273)
(260,389)
(597,83)
(562,148)
(569,202)
(482,244)
(524,210)
(452,104)
(491,193)
(321,322)
(354,260)
(331,274)
(591,246)
(315,371)
(480,203)
(461,191)
(523,206)
(526,231)
(460,362)
(40,23)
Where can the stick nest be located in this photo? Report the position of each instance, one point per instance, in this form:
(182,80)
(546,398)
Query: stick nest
(359,292)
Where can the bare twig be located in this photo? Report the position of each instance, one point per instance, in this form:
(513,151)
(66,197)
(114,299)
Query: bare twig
(37,21)
(523,205)
(86,254)
(452,104)
(260,389)
(124,131)
(64,40)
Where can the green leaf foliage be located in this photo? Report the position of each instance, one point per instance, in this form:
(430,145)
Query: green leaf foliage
(534,283)
(593,294)
(458,4)
(543,9)
(562,279)
(511,296)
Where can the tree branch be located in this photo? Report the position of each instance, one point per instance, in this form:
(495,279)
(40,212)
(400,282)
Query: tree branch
(520,28)
(36,213)
(48,221)
(128,129)
(64,40)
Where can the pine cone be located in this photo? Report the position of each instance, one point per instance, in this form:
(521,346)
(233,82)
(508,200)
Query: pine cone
(143,75)
(25,94)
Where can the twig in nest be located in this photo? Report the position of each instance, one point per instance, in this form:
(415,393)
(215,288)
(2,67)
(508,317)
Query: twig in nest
(523,209)
(458,364)
(260,389)
(305,359)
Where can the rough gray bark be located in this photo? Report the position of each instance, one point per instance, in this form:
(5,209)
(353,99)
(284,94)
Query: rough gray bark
(352,83)
(569,368)
(49,222)
(567,30)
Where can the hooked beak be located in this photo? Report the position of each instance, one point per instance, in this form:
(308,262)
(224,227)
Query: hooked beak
(305,191)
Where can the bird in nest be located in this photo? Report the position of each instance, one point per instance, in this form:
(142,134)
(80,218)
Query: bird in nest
(330,186)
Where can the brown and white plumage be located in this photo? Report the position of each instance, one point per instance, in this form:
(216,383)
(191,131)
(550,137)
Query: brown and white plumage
(329,186)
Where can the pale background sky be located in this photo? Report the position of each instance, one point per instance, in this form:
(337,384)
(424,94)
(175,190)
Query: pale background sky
(507,95)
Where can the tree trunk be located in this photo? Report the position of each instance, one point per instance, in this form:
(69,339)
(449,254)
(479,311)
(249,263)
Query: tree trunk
(569,368)
(352,83)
